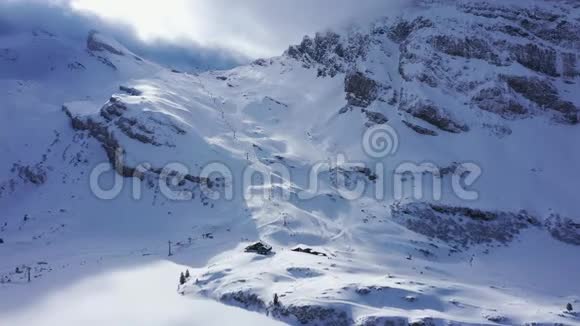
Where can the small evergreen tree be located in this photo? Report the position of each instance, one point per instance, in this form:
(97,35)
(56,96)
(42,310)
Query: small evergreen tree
(187,276)
(276,301)
(182,279)
(569,307)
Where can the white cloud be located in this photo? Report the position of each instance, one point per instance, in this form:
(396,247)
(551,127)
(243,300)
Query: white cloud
(156,24)
(251,27)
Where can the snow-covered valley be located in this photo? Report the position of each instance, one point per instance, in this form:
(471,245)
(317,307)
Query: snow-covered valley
(421,169)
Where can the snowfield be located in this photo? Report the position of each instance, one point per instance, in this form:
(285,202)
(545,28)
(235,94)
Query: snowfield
(117,297)
(117,175)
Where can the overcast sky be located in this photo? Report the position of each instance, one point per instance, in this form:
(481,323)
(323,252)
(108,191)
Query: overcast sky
(252,27)
(221,31)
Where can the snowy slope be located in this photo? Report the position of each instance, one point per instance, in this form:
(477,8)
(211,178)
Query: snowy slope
(487,86)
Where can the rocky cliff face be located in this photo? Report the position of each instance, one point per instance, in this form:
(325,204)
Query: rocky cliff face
(118,124)
(95,42)
(499,58)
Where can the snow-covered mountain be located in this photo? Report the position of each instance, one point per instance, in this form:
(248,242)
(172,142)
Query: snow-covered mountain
(480,97)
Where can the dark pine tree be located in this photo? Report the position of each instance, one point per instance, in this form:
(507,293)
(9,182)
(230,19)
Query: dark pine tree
(187,276)
(276,301)
(182,279)
(569,307)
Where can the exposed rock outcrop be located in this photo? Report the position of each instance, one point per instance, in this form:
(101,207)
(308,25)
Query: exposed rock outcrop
(112,117)
(244,299)
(564,229)
(419,129)
(332,54)
(96,43)
(375,118)
(360,90)
(536,58)
(100,132)
(415,64)
(35,174)
(430,113)
(401,30)
(498,100)
(383,320)
(348,177)
(312,315)
(130,90)
(469,48)
(545,95)
(462,226)
(570,65)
